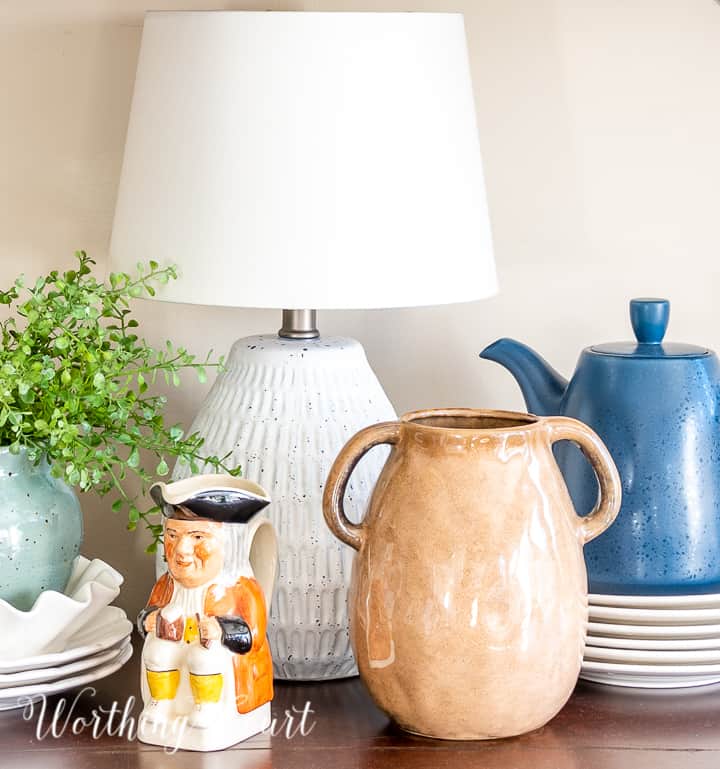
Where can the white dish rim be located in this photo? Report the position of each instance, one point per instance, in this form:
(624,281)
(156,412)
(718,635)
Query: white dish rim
(116,627)
(48,675)
(699,601)
(55,687)
(651,656)
(619,630)
(653,644)
(649,683)
(684,617)
(649,670)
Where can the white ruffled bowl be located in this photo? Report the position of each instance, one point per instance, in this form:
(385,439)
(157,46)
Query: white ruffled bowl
(56,616)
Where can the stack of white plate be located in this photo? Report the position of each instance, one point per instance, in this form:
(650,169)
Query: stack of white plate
(653,642)
(91,654)
(66,639)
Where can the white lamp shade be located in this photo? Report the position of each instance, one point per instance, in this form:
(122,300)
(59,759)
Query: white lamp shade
(320,160)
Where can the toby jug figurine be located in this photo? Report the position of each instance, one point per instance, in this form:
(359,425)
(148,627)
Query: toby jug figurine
(206,667)
(468,601)
(656,406)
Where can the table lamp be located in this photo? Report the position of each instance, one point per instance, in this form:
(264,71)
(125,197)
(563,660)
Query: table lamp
(304,161)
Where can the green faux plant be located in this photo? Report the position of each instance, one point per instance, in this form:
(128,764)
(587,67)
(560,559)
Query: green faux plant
(75,379)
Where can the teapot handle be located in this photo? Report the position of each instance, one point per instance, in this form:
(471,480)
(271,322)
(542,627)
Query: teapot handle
(352,534)
(608,504)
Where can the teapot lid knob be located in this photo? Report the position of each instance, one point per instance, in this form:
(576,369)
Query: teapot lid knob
(649,318)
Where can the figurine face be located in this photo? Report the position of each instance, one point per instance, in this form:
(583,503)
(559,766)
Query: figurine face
(193,550)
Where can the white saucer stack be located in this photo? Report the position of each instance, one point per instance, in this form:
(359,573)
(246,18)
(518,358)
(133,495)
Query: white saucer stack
(653,642)
(94,653)
(66,640)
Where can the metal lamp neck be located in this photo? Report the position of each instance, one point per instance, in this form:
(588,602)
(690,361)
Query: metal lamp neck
(299,324)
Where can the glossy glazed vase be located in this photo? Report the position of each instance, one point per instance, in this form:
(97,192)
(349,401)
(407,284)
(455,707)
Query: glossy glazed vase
(656,406)
(469,593)
(41,530)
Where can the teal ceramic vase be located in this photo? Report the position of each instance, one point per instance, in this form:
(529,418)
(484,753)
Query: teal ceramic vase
(41,530)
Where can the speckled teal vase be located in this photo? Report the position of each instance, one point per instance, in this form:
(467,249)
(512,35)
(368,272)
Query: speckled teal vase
(41,530)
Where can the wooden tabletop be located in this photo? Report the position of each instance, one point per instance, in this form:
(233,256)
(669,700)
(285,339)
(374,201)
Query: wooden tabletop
(599,727)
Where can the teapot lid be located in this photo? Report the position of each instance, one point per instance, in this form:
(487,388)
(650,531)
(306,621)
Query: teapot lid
(649,318)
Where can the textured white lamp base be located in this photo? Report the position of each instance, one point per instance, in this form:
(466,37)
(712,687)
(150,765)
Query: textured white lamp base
(284,409)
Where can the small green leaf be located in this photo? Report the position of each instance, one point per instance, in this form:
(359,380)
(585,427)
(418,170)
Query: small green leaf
(117,506)
(162,468)
(134,459)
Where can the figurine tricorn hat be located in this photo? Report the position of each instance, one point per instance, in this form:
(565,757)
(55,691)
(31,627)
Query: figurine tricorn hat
(222,498)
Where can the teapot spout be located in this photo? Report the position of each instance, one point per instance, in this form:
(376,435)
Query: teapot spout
(542,387)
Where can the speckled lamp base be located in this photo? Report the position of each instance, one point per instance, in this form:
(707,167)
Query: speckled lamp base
(285,408)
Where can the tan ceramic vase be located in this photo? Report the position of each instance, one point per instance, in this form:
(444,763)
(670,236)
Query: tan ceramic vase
(468,603)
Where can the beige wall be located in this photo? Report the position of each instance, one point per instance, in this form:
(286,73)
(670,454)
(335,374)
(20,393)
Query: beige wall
(600,127)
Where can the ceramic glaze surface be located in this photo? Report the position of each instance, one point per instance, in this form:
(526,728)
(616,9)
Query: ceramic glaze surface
(206,672)
(41,530)
(667,449)
(283,409)
(657,408)
(469,592)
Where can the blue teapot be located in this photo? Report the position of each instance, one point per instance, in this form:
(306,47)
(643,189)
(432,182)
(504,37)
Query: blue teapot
(656,405)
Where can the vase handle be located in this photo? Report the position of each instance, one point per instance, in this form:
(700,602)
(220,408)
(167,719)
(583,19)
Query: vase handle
(352,534)
(595,451)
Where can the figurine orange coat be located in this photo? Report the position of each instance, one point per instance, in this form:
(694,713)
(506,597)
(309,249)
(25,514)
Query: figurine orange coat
(253,671)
